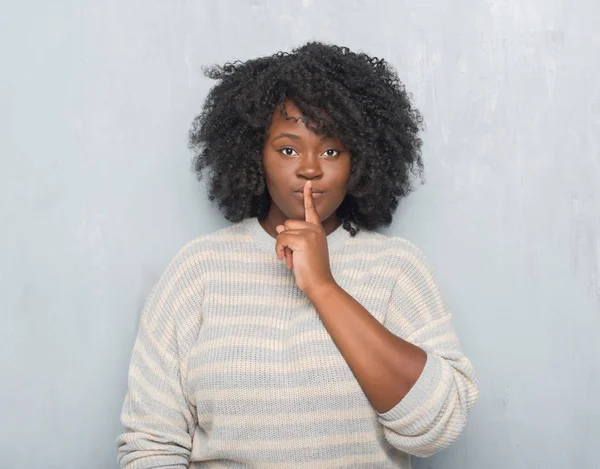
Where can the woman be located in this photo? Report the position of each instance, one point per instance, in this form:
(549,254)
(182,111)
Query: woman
(299,336)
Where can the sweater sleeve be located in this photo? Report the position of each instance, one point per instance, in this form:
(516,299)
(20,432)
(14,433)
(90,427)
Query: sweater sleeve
(157,415)
(434,412)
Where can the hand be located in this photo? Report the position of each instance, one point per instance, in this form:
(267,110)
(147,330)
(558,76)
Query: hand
(304,245)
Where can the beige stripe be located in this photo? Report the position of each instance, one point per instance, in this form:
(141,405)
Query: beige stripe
(184,296)
(134,401)
(465,381)
(146,356)
(148,344)
(265,321)
(360,256)
(150,389)
(296,418)
(254,256)
(431,289)
(248,320)
(412,286)
(281,323)
(235,300)
(279,394)
(376,293)
(318,335)
(140,422)
(432,324)
(357,274)
(436,341)
(230,233)
(194,259)
(158,304)
(256,300)
(198,257)
(175,363)
(233,238)
(158,311)
(396,317)
(450,429)
(241,278)
(405,251)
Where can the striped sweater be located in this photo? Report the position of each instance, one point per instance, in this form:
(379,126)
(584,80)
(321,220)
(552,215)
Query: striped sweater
(233,368)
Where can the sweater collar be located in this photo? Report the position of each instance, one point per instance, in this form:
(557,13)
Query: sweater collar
(265,241)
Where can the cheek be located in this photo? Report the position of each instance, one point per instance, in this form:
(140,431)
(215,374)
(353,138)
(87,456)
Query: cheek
(344,176)
(273,176)
(274,170)
(270,173)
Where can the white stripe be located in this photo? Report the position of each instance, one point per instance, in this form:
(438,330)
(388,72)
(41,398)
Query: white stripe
(280,323)
(297,443)
(249,366)
(150,390)
(295,417)
(413,419)
(280,394)
(344,461)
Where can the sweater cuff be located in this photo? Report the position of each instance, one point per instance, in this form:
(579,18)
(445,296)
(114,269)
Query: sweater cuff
(422,388)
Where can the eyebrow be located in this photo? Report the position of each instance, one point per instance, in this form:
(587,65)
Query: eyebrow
(296,137)
(283,135)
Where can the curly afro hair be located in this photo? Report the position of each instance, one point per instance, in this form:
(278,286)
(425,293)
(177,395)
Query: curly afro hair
(354,97)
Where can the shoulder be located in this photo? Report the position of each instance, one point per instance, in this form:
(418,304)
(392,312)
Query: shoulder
(401,261)
(415,292)
(406,254)
(194,258)
(197,252)
(397,261)
(415,278)
(396,252)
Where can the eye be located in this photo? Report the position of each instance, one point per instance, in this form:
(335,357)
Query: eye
(331,153)
(288,151)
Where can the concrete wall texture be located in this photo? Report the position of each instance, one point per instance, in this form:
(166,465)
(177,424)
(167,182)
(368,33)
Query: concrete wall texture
(97,195)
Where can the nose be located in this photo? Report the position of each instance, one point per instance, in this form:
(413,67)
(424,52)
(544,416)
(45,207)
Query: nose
(309,167)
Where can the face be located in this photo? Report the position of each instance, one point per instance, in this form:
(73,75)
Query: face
(294,154)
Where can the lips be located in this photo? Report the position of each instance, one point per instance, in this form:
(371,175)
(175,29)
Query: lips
(315,194)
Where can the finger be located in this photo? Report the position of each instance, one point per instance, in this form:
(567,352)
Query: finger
(289,259)
(287,240)
(280,249)
(291,224)
(310,212)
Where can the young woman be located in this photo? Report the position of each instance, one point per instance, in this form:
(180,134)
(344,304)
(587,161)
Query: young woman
(299,336)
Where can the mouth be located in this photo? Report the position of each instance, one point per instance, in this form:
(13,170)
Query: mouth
(315,195)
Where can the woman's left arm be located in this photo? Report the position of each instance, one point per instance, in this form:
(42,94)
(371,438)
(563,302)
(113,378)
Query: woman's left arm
(411,367)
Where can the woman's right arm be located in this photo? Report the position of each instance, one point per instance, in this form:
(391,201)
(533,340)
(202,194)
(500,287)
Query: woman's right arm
(158,418)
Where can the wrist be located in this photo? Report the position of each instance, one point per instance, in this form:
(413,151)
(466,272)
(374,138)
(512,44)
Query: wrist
(321,290)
